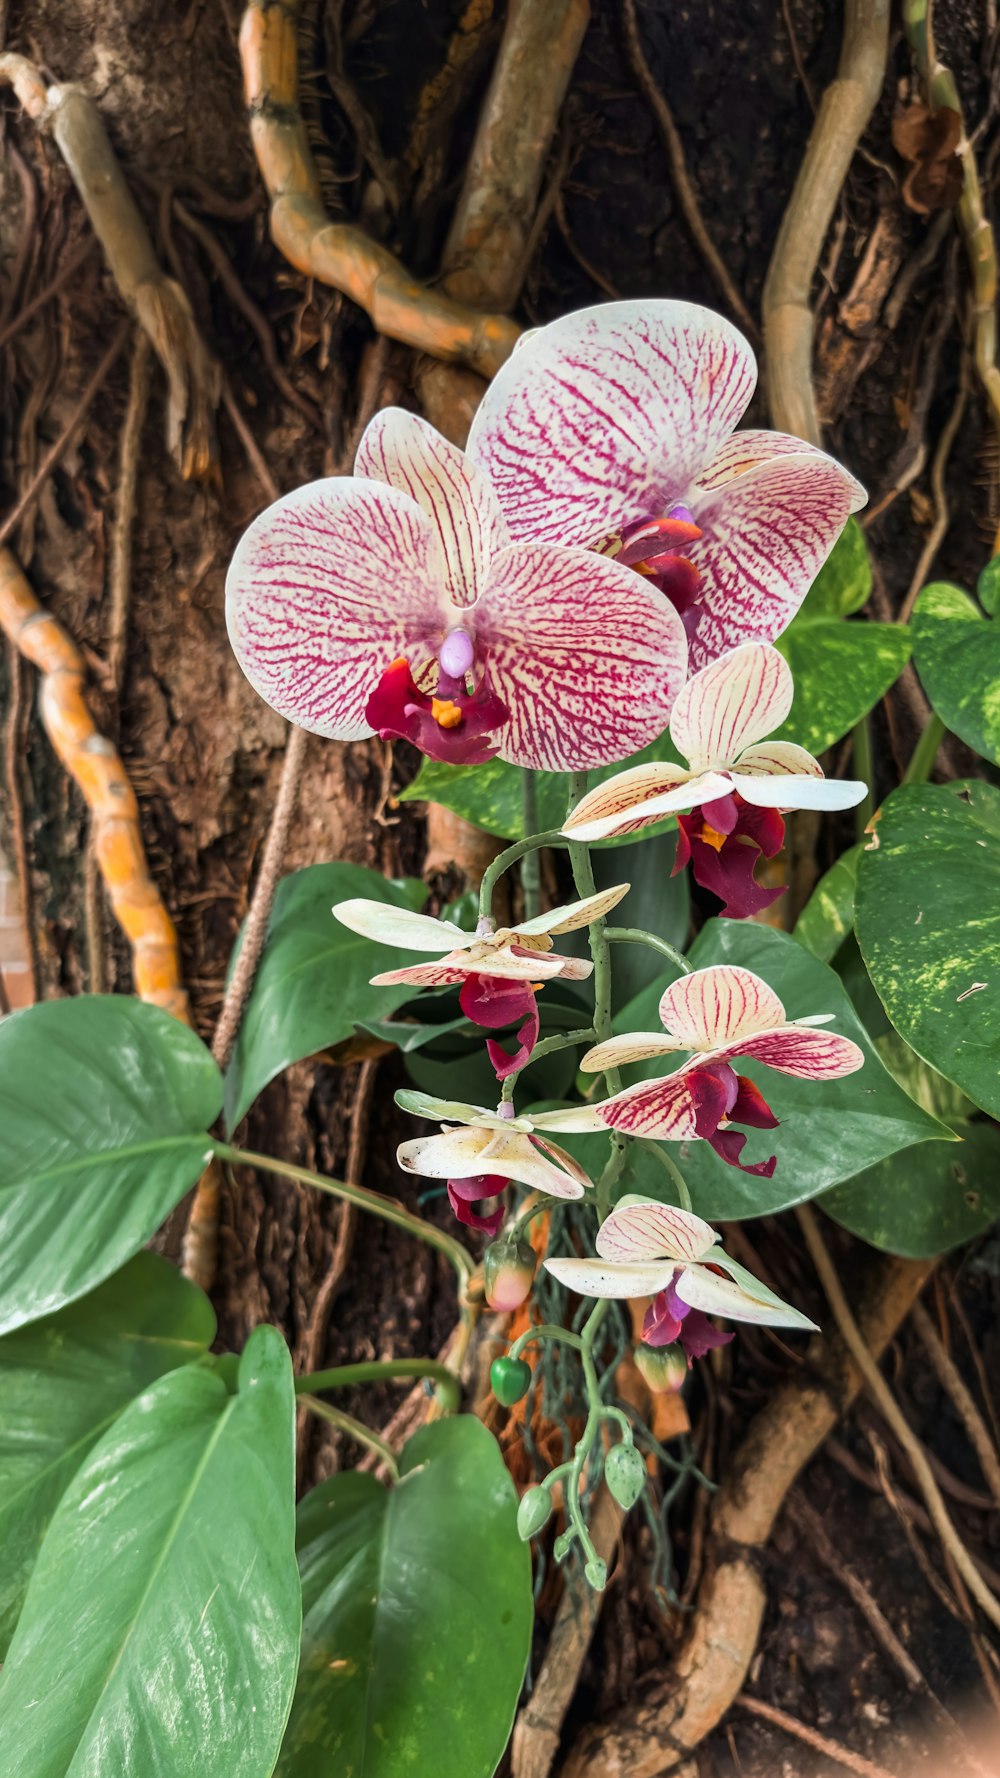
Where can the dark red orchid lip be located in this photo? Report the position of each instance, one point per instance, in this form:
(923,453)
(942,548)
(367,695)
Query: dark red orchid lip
(723,841)
(452,725)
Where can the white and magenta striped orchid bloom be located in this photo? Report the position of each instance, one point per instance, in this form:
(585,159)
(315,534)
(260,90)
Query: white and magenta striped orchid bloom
(613,427)
(404,601)
(646,1248)
(737,783)
(718,1015)
(499,969)
(480,1152)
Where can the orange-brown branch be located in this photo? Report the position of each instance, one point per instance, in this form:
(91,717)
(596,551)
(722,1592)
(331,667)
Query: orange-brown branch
(96,767)
(336,253)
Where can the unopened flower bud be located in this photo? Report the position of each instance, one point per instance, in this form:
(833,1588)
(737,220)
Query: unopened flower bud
(596,1572)
(508,1273)
(625,1474)
(563,1545)
(663,1368)
(534,1512)
(511,1379)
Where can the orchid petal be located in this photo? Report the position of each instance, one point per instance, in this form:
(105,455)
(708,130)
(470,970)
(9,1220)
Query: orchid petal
(713,1008)
(642,1228)
(403,450)
(574,915)
(800,793)
(737,699)
(664,1109)
(765,536)
(566,1162)
(607,415)
(456,1112)
(574,1119)
(637,798)
(516,1157)
(421,975)
(629,1046)
(587,656)
(748,450)
(328,587)
(769,758)
(452,1154)
(621,1280)
(802,1050)
(761,1293)
(458,964)
(703,1289)
(400,926)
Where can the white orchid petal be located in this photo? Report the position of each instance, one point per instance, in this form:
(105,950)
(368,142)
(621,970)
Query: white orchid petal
(594,1277)
(575,913)
(801,793)
(586,655)
(785,758)
(607,415)
(716,1006)
(327,588)
(639,797)
(738,699)
(452,1154)
(804,1051)
(515,1156)
(629,1046)
(703,1289)
(574,1119)
(390,925)
(403,450)
(748,450)
(567,1163)
(448,1111)
(421,975)
(643,1229)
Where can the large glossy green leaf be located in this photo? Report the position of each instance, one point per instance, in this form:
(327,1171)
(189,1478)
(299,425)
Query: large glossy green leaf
(159,1636)
(828,915)
(311,988)
(829,1130)
(104,1105)
(840,671)
(418,1614)
(928,923)
(956,651)
(62,1383)
(934,1197)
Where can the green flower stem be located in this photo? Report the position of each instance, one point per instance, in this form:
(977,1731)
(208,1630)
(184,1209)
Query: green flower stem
(531,870)
(517,1228)
(556,1475)
(925,752)
(362,1434)
(563,1040)
(345,1376)
(671,1168)
(596,1412)
(365,1200)
(545,1330)
(632,935)
(600,951)
(504,860)
(624,1423)
(864,767)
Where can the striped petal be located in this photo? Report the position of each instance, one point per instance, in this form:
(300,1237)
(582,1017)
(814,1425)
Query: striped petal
(769,758)
(630,1046)
(738,699)
(505,965)
(608,415)
(808,792)
(743,451)
(574,915)
(326,589)
(403,450)
(594,1277)
(802,1050)
(587,656)
(765,536)
(703,1289)
(662,1109)
(637,798)
(399,926)
(717,1007)
(643,1228)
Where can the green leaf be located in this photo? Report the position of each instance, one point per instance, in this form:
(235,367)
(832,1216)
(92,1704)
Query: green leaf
(105,1103)
(922,1203)
(62,1383)
(988,587)
(928,923)
(828,1131)
(311,987)
(828,915)
(418,1615)
(957,654)
(844,583)
(840,671)
(159,1635)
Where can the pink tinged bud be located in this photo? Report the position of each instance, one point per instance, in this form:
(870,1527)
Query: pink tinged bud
(508,1274)
(662,1368)
(457,654)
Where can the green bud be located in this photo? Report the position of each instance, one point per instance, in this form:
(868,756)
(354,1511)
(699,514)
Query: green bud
(508,1273)
(563,1545)
(511,1380)
(625,1474)
(597,1574)
(664,1368)
(534,1511)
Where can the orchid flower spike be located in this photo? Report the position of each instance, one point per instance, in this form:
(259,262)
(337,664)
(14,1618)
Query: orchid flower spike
(399,601)
(499,971)
(613,427)
(718,1014)
(735,785)
(646,1248)
(479,1152)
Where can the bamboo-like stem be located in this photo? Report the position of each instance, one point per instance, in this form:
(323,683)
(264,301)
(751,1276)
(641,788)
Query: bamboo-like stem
(355,1429)
(339,254)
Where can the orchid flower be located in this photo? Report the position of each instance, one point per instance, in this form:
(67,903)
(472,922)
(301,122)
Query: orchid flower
(646,1248)
(498,969)
(400,601)
(735,785)
(479,1152)
(717,1015)
(612,427)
